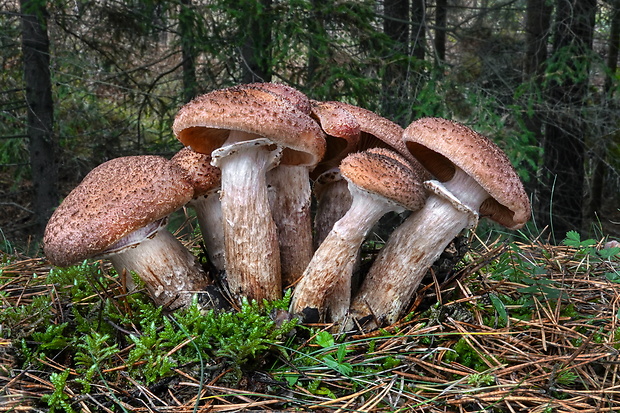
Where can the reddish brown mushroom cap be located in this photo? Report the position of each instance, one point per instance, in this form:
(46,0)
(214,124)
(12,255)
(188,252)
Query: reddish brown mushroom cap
(440,145)
(386,174)
(342,133)
(205,123)
(380,132)
(294,96)
(203,176)
(113,200)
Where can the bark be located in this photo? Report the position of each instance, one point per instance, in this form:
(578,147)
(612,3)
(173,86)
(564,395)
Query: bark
(256,48)
(317,38)
(40,122)
(188,51)
(614,47)
(395,23)
(418,29)
(600,161)
(441,20)
(562,181)
(537,30)
(537,26)
(396,27)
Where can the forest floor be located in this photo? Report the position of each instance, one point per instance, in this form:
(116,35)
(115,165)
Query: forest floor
(514,327)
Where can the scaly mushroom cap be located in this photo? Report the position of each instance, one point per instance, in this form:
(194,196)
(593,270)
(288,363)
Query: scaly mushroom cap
(205,123)
(294,96)
(203,176)
(384,173)
(342,133)
(440,145)
(113,200)
(380,132)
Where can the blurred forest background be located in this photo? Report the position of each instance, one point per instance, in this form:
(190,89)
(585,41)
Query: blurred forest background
(85,81)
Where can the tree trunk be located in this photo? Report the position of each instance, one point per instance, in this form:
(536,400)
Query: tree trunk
(256,48)
(316,40)
(562,180)
(418,29)
(396,27)
(537,30)
(42,144)
(537,25)
(600,152)
(614,47)
(188,51)
(441,21)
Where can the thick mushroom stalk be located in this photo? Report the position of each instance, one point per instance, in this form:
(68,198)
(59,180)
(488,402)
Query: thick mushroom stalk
(209,214)
(379,181)
(290,208)
(475,178)
(414,246)
(251,251)
(333,261)
(172,279)
(291,196)
(216,120)
(333,200)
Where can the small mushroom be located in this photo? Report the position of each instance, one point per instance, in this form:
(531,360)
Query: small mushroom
(248,131)
(118,212)
(379,181)
(205,179)
(474,178)
(375,131)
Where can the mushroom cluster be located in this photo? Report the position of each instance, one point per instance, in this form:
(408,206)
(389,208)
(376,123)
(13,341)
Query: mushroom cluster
(255,158)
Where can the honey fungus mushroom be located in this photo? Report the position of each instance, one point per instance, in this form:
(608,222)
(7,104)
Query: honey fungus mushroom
(119,212)
(290,195)
(360,129)
(379,181)
(474,179)
(248,131)
(205,179)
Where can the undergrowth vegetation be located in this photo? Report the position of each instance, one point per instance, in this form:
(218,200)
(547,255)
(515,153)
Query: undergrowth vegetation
(513,326)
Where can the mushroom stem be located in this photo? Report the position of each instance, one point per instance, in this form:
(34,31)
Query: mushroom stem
(333,262)
(209,214)
(290,208)
(251,253)
(413,247)
(333,201)
(169,271)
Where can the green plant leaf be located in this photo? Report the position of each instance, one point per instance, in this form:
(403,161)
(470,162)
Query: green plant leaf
(324,339)
(499,306)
